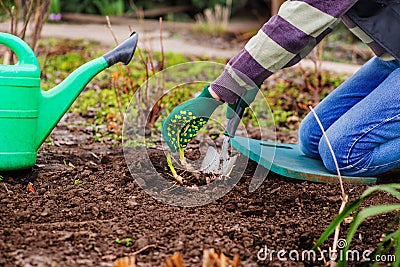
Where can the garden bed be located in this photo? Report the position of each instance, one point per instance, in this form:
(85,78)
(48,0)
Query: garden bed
(80,206)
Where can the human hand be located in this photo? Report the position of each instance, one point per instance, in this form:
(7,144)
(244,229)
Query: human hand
(182,125)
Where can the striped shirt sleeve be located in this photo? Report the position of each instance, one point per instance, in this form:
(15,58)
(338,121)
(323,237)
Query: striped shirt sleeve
(282,42)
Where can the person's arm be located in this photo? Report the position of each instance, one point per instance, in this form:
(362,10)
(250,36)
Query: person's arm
(282,42)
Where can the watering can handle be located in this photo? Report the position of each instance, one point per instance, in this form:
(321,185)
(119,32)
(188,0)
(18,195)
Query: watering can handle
(20,48)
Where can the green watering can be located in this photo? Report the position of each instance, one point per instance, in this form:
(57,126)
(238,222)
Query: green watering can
(27,113)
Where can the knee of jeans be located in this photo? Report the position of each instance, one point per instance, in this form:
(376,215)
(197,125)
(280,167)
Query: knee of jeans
(307,139)
(351,165)
(327,157)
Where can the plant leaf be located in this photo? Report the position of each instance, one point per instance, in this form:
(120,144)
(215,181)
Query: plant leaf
(338,219)
(364,214)
(389,188)
(171,166)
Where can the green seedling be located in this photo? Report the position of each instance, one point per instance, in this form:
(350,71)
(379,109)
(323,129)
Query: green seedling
(78,182)
(363,213)
(171,167)
(127,241)
(182,156)
(183,161)
(1,178)
(177,177)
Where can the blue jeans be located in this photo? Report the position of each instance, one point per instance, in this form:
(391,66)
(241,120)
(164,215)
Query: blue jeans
(362,121)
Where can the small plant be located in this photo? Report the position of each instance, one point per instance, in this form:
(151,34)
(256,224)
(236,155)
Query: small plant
(177,177)
(1,178)
(390,240)
(78,182)
(182,156)
(127,242)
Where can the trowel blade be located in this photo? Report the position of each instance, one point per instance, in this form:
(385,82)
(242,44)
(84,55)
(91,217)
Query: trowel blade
(227,165)
(211,161)
(218,163)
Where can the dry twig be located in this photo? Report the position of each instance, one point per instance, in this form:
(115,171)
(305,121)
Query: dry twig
(143,249)
(8,191)
(111,30)
(315,86)
(344,196)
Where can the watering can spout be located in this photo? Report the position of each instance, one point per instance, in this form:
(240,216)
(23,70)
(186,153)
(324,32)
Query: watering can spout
(55,102)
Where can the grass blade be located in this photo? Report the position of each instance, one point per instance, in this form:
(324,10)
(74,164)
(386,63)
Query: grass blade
(364,214)
(338,219)
(389,188)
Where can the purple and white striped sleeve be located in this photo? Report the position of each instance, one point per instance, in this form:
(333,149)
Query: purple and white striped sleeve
(282,42)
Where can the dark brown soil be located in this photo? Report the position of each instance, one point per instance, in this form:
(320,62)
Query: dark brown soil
(85,199)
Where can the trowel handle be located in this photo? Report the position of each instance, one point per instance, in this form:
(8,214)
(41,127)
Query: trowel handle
(233,123)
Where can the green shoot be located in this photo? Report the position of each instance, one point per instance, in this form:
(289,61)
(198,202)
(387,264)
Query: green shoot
(182,156)
(171,167)
(363,214)
(177,177)
(78,182)
(127,241)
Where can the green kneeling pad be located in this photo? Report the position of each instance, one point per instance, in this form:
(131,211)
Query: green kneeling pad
(287,160)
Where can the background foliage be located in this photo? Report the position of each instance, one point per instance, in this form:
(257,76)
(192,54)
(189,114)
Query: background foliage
(129,6)
(119,7)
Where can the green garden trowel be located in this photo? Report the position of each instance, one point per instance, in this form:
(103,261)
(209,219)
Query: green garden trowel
(221,163)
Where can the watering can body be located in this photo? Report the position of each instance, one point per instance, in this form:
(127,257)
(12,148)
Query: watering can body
(27,113)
